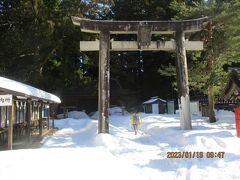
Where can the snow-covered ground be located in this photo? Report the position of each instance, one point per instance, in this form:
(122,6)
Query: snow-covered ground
(76,151)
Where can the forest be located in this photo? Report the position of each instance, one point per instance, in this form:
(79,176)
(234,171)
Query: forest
(40,46)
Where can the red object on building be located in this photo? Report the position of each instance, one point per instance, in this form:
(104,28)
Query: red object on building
(237,116)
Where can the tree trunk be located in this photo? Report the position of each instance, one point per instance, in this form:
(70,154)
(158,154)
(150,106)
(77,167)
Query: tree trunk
(211,114)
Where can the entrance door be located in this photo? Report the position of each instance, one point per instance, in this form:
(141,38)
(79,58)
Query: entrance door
(170,107)
(155,109)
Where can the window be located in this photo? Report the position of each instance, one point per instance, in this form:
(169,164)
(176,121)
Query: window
(45,111)
(20,110)
(3,116)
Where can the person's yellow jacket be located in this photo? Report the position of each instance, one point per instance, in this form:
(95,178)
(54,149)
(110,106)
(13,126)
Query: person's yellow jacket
(133,120)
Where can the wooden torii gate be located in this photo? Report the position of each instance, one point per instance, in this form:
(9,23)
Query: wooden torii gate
(144,31)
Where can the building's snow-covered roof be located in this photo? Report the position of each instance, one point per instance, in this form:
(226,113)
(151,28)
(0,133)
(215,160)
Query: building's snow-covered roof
(16,88)
(153,99)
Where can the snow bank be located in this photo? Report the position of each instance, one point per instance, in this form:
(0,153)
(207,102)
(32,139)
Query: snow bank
(74,115)
(225,119)
(70,122)
(112,111)
(95,115)
(117,111)
(225,116)
(106,140)
(78,115)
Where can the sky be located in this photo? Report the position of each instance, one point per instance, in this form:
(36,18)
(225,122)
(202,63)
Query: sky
(76,151)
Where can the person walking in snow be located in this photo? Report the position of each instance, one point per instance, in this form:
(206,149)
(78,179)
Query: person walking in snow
(135,121)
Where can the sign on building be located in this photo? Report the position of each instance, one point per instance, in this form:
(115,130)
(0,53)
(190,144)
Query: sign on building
(5,100)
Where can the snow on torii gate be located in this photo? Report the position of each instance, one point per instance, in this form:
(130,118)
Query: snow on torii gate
(144,30)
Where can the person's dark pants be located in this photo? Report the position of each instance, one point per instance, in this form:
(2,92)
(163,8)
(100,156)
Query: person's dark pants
(135,127)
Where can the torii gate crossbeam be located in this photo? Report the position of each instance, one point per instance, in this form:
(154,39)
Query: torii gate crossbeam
(144,30)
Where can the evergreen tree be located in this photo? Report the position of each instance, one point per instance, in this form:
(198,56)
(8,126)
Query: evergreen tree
(138,71)
(206,70)
(40,45)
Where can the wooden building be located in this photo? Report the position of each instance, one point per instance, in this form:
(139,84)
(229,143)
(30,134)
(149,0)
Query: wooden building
(232,88)
(155,105)
(229,97)
(24,111)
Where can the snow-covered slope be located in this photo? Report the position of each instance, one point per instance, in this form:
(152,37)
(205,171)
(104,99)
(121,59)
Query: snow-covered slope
(76,151)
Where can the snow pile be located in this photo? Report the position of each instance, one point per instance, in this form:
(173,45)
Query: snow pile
(70,122)
(74,115)
(106,140)
(225,116)
(112,111)
(78,115)
(116,111)
(95,115)
(225,119)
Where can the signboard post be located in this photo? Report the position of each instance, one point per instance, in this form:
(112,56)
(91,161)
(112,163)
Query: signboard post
(7,100)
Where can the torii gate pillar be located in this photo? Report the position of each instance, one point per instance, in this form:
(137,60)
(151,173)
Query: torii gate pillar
(182,81)
(103,82)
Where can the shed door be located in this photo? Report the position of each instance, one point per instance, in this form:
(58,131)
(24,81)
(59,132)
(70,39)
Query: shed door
(194,108)
(155,109)
(170,107)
